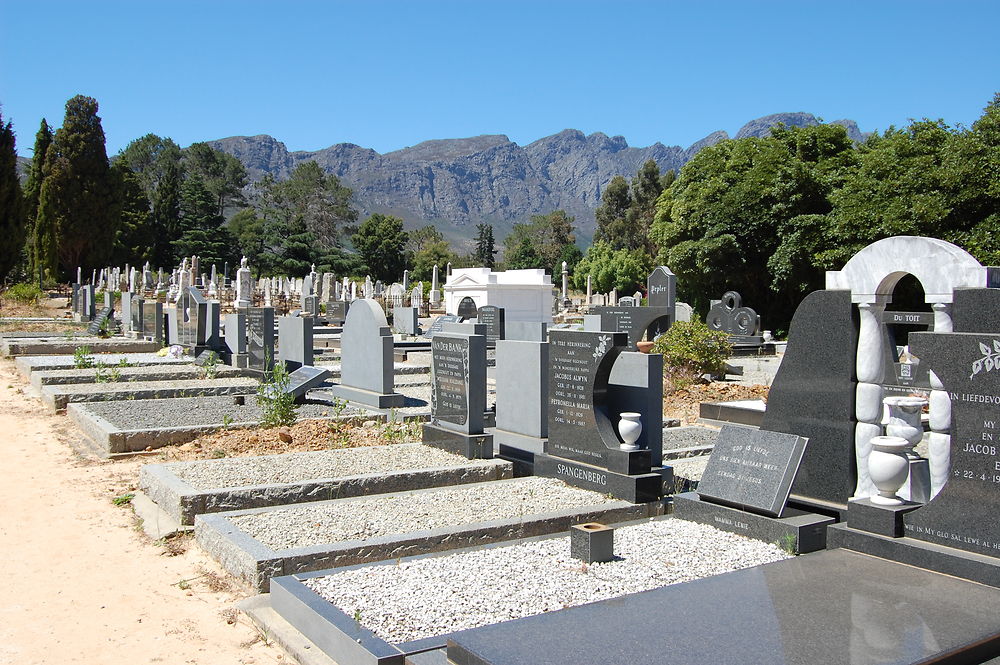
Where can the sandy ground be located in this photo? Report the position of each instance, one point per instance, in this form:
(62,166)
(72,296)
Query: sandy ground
(84,584)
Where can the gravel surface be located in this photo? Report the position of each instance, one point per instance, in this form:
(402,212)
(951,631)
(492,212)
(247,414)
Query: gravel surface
(432,596)
(153,373)
(144,359)
(190,386)
(336,521)
(690,468)
(146,414)
(296,467)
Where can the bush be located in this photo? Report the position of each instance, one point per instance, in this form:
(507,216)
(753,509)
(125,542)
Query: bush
(278,405)
(28,294)
(690,349)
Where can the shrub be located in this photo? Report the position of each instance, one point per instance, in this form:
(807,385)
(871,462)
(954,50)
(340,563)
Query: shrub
(273,398)
(28,294)
(690,349)
(82,358)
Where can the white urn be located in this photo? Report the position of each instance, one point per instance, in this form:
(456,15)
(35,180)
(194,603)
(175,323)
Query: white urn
(888,467)
(629,429)
(904,418)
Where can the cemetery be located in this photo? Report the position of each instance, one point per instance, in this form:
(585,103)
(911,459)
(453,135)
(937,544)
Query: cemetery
(501,474)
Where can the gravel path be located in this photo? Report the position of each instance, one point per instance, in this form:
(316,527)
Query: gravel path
(382,515)
(436,595)
(146,414)
(295,467)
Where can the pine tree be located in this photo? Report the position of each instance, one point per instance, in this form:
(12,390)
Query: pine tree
(485,254)
(11,203)
(33,188)
(78,210)
(202,227)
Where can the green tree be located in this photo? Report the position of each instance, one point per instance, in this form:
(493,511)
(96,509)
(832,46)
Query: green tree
(544,242)
(78,210)
(136,235)
(435,253)
(609,268)
(222,175)
(33,188)
(12,221)
(612,226)
(485,252)
(202,226)
(381,242)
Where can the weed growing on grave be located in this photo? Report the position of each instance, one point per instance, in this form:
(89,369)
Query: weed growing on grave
(26,294)
(357,615)
(227,420)
(788,543)
(210,369)
(690,349)
(274,399)
(217,453)
(106,373)
(82,359)
(339,406)
(125,363)
(124,499)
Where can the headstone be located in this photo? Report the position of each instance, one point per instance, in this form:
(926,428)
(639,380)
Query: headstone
(638,323)
(493,317)
(295,341)
(752,469)
(661,288)
(236,335)
(152,321)
(304,379)
(467,308)
(126,311)
(522,392)
(627,301)
(102,319)
(437,325)
(310,306)
(966,366)
(583,446)
(526,331)
(192,319)
(260,338)
(728,315)
(243,285)
(404,320)
(336,311)
(458,395)
(366,351)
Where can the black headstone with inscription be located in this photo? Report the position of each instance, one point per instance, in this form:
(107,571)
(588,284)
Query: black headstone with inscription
(467,308)
(493,317)
(752,469)
(336,311)
(102,320)
(964,513)
(135,314)
(638,323)
(661,288)
(437,325)
(260,338)
(458,395)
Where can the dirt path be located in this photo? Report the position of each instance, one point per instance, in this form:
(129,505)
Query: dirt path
(83,584)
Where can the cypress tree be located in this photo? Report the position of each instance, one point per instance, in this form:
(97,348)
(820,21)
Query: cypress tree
(203,231)
(33,188)
(78,209)
(11,203)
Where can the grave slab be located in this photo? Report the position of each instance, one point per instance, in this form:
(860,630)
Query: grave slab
(68,346)
(766,614)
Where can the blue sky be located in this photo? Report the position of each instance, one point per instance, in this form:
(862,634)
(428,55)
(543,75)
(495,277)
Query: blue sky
(386,75)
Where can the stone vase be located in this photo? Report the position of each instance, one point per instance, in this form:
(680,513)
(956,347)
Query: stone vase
(629,429)
(904,418)
(888,467)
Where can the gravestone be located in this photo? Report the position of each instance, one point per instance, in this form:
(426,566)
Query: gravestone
(627,301)
(236,339)
(260,338)
(639,323)
(522,392)
(526,331)
(135,319)
(310,306)
(458,396)
(295,341)
(75,299)
(192,318)
(404,320)
(336,311)
(300,382)
(152,321)
(102,320)
(437,325)
(467,308)
(366,352)
(742,324)
(493,318)
(126,311)
(661,288)
(583,444)
(751,469)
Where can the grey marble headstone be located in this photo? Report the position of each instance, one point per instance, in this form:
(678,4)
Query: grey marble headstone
(522,384)
(437,325)
(458,381)
(366,351)
(404,320)
(752,469)
(526,331)
(236,333)
(295,341)
(661,288)
(126,313)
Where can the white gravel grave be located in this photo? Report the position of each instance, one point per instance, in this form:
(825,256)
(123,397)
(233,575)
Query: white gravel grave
(433,596)
(387,514)
(296,467)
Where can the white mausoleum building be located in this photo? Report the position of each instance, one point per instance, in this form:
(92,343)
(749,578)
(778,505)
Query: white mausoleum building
(525,295)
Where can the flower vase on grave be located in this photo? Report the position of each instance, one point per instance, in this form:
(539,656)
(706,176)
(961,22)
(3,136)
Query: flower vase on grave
(904,418)
(888,468)
(629,429)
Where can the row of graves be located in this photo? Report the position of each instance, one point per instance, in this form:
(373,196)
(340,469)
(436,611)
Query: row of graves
(900,556)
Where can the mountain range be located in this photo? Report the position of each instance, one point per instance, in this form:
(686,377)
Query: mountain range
(458,183)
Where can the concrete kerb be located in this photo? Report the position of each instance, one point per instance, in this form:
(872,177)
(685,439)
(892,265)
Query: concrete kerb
(183,502)
(64,347)
(58,396)
(253,562)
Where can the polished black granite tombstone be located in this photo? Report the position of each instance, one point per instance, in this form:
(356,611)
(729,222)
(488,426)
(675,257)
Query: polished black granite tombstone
(458,395)
(304,379)
(260,338)
(728,315)
(639,323)
(813,396)
(493,318)
(583,444)
(964,514)
(467,308)
(976,310)
(752,469)
(661,288)
(827,608)
(437,325)
(192,318)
